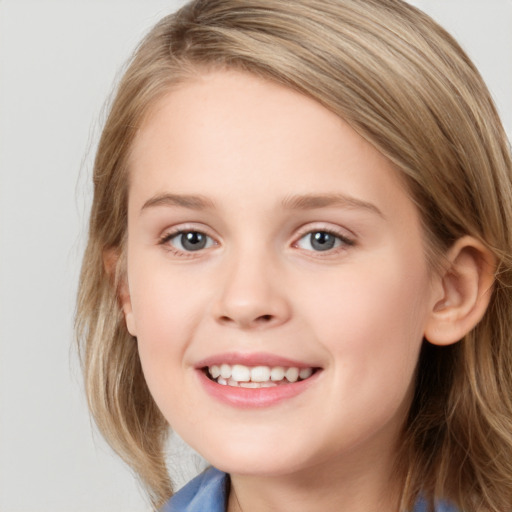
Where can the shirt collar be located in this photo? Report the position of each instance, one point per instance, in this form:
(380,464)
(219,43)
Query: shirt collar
(209,491)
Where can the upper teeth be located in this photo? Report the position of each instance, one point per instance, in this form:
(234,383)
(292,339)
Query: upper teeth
(240,373)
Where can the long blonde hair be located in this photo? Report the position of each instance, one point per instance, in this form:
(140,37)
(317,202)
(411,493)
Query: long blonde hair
(407,87)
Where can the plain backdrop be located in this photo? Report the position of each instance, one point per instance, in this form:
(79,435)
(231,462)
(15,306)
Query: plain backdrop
(59,60)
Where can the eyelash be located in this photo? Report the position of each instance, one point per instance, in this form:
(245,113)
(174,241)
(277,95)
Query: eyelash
(343,241)
(167,237)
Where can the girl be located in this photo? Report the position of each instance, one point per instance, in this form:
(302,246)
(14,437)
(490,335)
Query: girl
(299,257)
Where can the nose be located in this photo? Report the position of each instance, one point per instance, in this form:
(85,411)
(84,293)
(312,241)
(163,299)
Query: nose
(252,295)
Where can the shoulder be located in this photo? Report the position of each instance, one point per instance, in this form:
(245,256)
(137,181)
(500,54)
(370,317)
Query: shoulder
(207,492)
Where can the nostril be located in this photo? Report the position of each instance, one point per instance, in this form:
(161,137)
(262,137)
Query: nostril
(260,319)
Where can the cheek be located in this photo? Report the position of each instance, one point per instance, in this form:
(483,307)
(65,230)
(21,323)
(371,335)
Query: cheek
(165,304)
(169,305)
(372,320)
(164,322)
(165,316)
(385,298)
(372,329)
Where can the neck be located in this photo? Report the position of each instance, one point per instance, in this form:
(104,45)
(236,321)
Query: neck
(328,487)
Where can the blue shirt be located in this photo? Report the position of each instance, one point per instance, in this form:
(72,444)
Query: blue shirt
(208,492)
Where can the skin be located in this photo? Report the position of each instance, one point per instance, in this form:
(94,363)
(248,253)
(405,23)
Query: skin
(358,311)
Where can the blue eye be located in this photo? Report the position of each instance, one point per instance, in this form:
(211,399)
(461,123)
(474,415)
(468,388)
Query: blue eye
(321,241)
(189,241)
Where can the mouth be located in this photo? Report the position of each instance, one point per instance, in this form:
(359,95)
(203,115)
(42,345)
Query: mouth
(255,377)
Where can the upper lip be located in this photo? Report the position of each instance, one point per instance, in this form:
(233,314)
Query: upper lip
(254,359)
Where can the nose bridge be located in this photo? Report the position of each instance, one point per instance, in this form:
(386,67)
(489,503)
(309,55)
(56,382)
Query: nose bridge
(252,292)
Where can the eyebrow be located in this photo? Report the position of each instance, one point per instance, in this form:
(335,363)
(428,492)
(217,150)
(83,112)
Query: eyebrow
(191,202)
(313,201)
(295,202)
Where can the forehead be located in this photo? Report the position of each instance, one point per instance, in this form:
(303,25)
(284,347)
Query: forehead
(229,129)
(216,103)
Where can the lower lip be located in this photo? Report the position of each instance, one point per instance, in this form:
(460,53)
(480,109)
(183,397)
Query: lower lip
(248,398)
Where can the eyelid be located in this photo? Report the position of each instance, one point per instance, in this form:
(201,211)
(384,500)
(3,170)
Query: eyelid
(342,232)
(347,237)
(187,226)
(174,231)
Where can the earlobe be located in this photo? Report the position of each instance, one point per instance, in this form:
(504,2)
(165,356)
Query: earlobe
(126,305)
(129,318)
(112,262)
(466,287)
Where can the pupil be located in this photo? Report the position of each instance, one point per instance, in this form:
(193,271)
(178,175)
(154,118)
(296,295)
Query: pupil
(193,241)
(322,241)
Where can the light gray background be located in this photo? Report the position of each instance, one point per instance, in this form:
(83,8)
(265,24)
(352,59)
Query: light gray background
(58,62)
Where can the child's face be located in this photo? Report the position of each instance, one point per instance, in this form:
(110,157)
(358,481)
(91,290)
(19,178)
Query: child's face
(301,249)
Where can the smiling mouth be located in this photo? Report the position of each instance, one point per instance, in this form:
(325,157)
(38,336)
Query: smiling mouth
(242,376)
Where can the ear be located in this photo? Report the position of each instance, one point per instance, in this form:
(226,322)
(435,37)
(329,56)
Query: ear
(113,262)
(463,292)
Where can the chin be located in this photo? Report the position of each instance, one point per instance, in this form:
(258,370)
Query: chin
(256,459)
